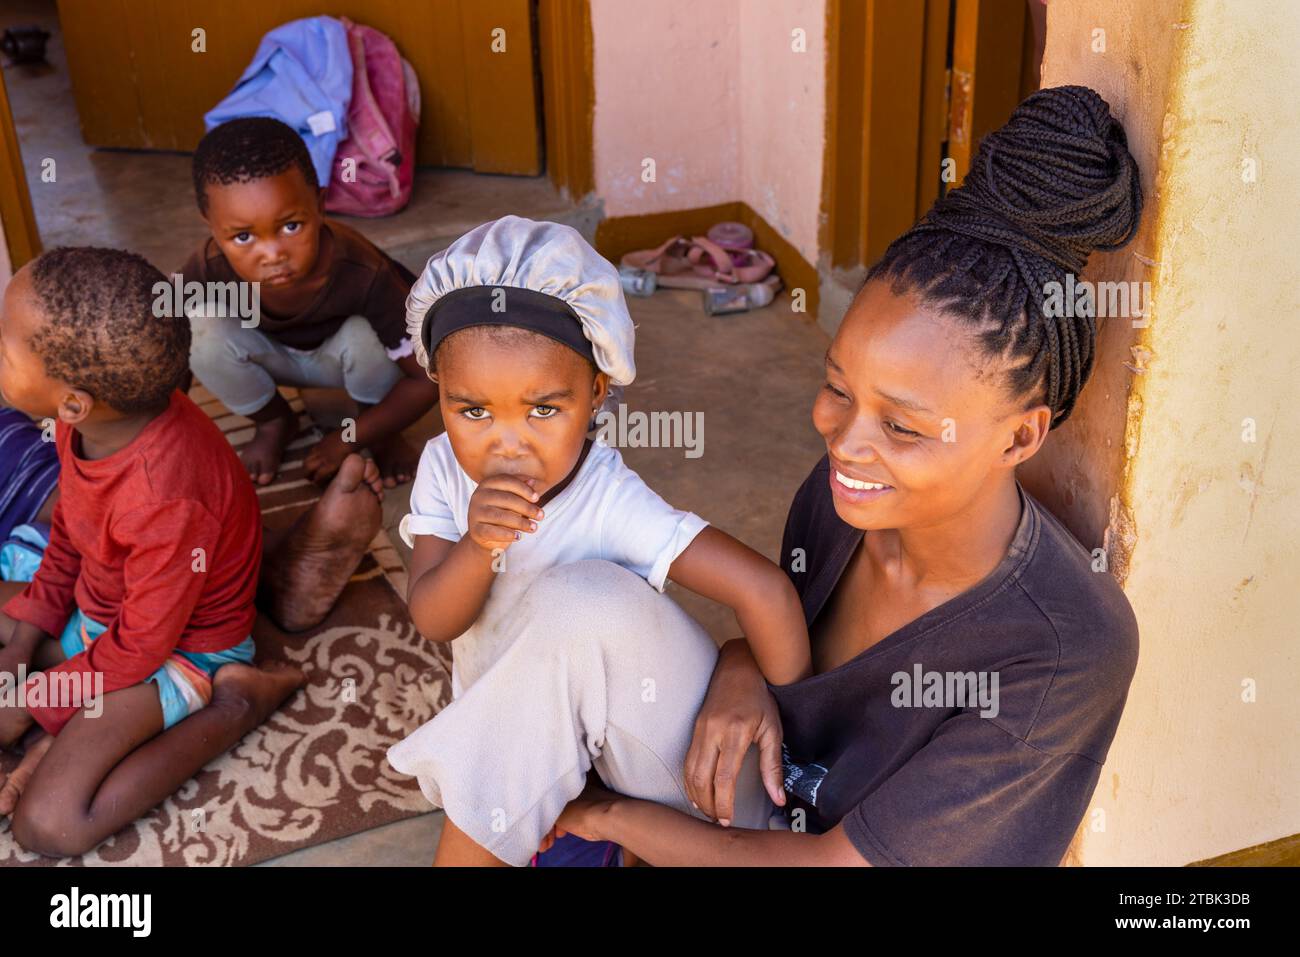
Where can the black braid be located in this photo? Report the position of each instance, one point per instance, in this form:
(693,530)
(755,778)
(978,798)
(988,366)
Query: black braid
(1045,190)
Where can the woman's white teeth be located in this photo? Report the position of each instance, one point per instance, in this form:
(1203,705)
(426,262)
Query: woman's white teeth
(854,483)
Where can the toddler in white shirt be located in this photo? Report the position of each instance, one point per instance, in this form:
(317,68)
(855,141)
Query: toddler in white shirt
(525,329)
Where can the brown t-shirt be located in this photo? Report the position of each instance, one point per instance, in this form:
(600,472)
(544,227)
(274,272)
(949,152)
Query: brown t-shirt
(363,281)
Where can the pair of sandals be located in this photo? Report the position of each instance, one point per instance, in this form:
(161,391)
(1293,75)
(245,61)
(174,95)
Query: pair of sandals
(724,257)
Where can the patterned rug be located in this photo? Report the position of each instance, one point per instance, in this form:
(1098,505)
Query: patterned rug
(316,770)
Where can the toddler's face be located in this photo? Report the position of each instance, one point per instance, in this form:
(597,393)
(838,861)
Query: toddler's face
(516,403)
(24,383)
(268,229)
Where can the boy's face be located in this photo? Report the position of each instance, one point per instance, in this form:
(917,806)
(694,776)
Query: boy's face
(516,406)
(269,228)
(24,383)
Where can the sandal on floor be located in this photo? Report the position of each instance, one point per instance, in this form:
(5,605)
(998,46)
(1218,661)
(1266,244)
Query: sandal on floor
(700,263)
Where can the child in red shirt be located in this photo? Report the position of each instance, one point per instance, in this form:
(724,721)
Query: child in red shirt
(147,586)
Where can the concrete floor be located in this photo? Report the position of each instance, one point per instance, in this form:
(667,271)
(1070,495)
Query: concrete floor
(753,375)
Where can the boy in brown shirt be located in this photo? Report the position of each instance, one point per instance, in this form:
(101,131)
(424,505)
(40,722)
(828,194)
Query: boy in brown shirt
(327,309)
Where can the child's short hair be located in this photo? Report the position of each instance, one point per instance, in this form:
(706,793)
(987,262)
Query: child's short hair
(101,331)
(247,149)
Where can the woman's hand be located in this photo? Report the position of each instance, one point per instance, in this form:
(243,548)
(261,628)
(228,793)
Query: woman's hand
(737,711)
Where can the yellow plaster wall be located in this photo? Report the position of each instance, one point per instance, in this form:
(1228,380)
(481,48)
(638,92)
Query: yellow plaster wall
(1211,518)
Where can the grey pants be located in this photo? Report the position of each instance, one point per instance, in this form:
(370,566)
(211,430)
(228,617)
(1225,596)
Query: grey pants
(242,367)
(604,671)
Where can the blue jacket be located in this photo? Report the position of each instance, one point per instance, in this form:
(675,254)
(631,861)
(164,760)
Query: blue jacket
(301,75)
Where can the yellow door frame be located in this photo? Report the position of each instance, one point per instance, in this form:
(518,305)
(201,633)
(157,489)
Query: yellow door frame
(895,111)
(568,94)
(22,238)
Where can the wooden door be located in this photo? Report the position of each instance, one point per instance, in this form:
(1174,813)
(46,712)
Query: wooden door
(139,82)
(22,241)
(992,44)
(912,85)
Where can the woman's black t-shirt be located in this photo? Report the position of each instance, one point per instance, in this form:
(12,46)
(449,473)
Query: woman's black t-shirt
(1043,650)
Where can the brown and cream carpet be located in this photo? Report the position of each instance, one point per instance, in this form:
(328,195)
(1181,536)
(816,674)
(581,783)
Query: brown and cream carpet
(316,771)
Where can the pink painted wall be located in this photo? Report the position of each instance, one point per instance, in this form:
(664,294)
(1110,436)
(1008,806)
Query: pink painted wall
(715,95)
(783,116)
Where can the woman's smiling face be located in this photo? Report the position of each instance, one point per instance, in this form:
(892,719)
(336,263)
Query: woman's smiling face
(915,416)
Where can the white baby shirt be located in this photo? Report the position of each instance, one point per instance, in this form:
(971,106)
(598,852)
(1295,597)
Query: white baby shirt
(606,512)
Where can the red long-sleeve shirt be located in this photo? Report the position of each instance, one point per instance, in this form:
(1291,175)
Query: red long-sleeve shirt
(161,542)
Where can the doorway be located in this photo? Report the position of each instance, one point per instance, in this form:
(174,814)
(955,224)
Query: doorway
(912,86)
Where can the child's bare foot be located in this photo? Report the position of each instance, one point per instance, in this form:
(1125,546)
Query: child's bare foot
(262,455)
(397,460)
(304,576)
(11,788)
(263,687)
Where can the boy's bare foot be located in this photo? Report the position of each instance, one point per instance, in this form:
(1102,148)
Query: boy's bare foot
(264,687)
(308,570)
(276,425)
(11,788)
(397,460)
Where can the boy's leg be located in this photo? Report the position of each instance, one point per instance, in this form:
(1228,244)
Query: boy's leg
(604,671)
(241,367)
(367,373)
(46,654)
(368,376)
(13,784)
(102,773)
(397,458)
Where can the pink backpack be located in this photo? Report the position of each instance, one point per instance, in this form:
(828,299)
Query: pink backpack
(378,157)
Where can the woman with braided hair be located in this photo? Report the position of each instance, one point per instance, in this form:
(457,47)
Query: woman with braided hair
(969,666)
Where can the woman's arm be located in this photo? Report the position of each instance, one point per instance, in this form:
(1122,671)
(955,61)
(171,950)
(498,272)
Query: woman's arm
(717,566)
(667,838)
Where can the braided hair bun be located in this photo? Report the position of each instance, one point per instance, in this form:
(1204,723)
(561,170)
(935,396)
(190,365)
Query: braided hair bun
(1043,191)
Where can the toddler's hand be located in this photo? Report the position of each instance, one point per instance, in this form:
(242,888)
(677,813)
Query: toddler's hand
(501,510)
